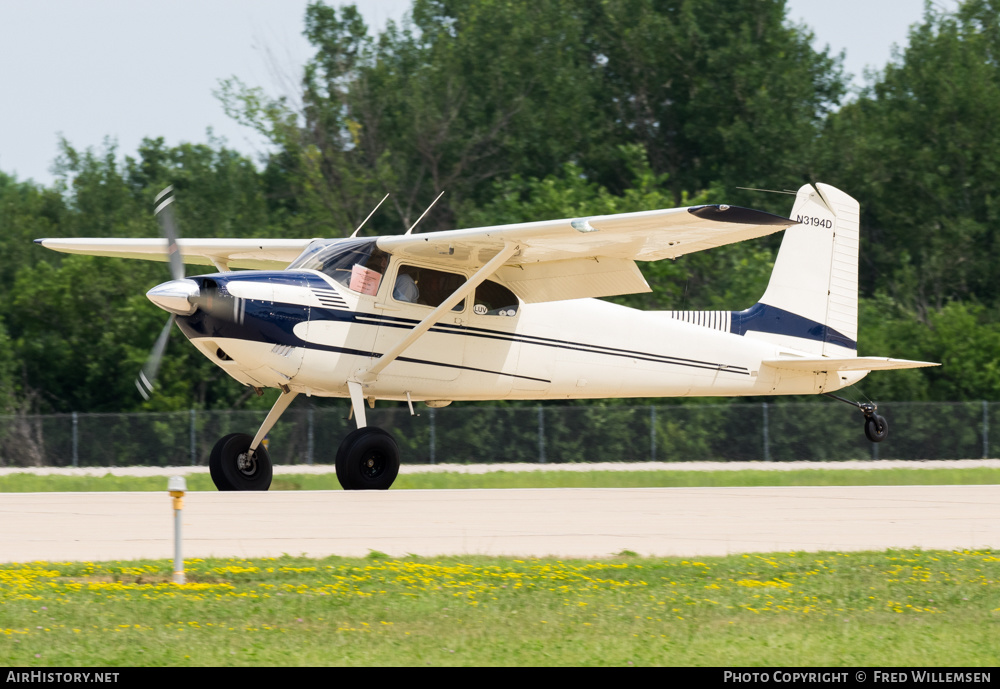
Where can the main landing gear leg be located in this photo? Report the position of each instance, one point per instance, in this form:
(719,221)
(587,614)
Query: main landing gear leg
(238,462)
(876,427)
(368,458)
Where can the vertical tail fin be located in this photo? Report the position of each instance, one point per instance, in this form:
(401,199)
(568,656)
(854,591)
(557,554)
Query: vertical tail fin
(811,301)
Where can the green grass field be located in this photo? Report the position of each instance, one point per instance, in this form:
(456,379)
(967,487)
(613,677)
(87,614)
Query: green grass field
(922,608)
(28,483)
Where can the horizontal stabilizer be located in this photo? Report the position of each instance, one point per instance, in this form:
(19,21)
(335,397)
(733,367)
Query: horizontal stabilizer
(859,363)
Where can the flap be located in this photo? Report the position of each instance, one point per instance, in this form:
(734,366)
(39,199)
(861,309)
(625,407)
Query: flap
(573,279)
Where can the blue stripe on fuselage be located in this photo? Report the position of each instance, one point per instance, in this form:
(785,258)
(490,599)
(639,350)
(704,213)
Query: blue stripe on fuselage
(274,323)
(769,319)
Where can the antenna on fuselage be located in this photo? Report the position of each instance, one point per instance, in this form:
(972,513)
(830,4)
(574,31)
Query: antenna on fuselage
(355,234)
(424,213)
(769,191)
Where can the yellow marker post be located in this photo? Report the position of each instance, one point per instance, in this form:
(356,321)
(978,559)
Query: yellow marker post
(177,486)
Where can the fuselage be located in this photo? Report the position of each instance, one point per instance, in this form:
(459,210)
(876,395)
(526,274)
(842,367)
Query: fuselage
(303,330)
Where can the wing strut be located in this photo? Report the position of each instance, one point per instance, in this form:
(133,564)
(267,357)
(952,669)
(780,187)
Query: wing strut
(368,375)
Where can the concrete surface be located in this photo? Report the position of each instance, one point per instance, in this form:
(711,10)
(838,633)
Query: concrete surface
(565,522)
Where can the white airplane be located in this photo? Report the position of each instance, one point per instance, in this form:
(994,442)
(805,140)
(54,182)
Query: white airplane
(505,312)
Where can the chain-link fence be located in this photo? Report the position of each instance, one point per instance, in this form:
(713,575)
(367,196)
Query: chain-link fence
(545,434)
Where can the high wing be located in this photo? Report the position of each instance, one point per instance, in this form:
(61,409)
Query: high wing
(554,259)
(587,256)
(261,254)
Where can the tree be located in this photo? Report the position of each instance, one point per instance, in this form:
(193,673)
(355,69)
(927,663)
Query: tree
(80,327)
(921,151)
(722,92)
(962,337)
(27,212)
(470,91)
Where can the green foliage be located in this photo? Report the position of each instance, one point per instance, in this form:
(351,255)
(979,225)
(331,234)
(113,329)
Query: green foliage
(963,337)
(466,92)
(717,92)
(80,327)
(27,211)
(571,194)
(920,148)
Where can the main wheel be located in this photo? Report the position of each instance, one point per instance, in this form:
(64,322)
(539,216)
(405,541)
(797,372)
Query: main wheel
(876,428)
(234,467)
(367,459)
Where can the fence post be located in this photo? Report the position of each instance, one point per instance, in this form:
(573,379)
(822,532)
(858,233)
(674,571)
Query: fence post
(194,452)
(652,433)
(430,413)
(541,435)
(310,419)
(767,439)
(76,439)
(986,430)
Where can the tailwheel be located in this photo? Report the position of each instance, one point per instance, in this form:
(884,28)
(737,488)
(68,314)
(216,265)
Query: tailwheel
(876,428)
(234,467)
(368,459)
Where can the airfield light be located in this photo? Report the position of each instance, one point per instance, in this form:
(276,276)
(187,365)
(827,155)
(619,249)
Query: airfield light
(177,486)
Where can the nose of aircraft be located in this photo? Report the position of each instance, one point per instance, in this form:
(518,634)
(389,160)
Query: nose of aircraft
(176,296)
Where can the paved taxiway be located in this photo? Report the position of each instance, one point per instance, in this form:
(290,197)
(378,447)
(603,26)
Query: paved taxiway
(567,522)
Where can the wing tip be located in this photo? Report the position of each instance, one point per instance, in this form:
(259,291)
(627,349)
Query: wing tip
(739,215)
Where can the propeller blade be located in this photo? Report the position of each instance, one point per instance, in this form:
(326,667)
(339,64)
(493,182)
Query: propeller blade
(147,376)
(164,212)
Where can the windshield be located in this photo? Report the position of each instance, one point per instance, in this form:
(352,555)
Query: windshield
(357,264)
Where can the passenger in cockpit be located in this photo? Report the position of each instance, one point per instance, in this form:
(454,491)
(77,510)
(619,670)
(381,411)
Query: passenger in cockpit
(405,288)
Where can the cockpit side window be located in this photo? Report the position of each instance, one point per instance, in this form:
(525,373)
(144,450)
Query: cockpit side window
(357,264)
(426,286)
(493,299)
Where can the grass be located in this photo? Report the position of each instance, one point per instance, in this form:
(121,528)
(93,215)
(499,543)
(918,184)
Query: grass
(898,608)
(28,483)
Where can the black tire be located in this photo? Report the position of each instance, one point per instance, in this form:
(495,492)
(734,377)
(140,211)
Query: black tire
(367,459)
(876,428)
(215,463)
(232,469)
(345,444)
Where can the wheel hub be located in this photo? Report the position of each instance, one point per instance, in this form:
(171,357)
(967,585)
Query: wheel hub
(246,463)
(373,465)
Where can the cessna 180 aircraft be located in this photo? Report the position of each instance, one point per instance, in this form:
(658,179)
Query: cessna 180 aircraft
(504,312)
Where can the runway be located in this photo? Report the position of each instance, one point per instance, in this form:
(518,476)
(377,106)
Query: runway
(564,522)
